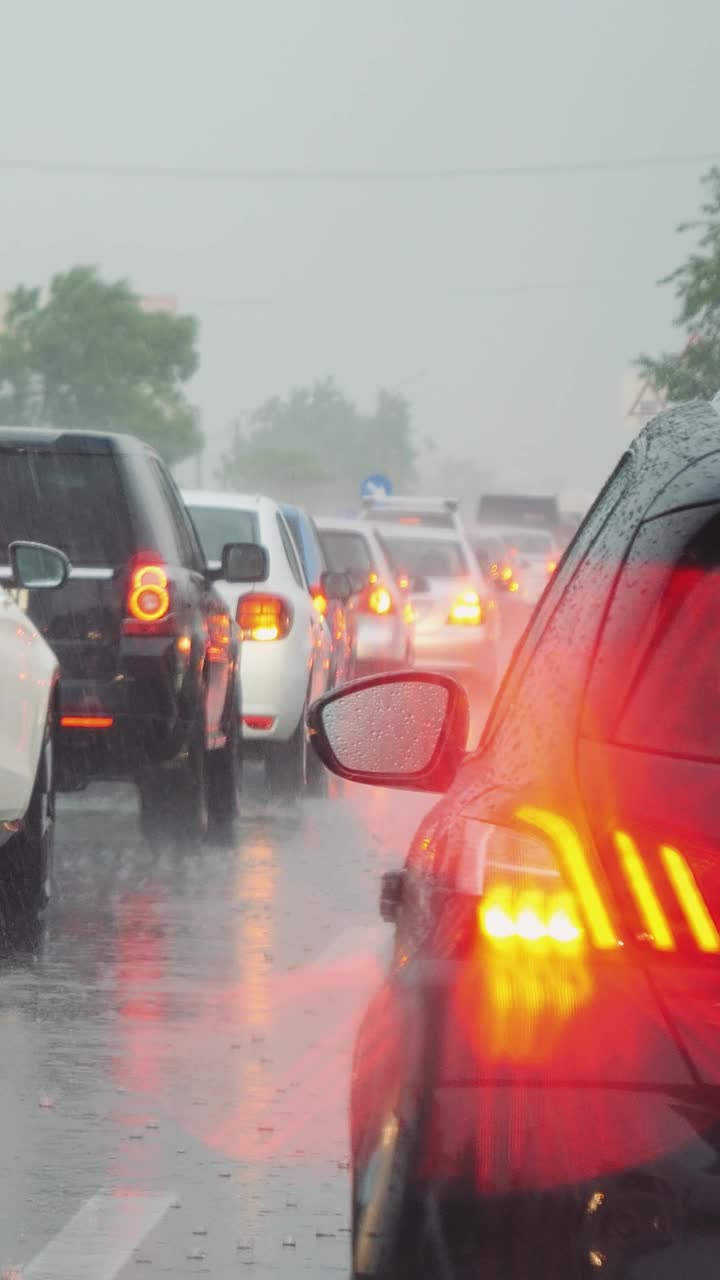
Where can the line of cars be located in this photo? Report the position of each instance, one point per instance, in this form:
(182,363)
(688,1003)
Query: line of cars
(191,630)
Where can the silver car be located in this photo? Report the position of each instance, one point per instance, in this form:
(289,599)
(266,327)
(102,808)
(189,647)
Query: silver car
(457,623)
(380,610)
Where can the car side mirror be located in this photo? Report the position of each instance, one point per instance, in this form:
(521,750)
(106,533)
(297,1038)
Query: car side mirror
(37,567)
(243,562)
(336,586)
(358,580)
(404,729)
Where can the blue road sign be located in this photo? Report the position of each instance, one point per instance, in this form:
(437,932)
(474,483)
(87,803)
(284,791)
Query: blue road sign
(376,487)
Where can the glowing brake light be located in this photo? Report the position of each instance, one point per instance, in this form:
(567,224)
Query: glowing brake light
(467,609)
(148,595)
(86,722)
(641,887)
(691,900)
(263,617)
(320,600)
(376,598)
(506,573)
(219,636)
(551,566)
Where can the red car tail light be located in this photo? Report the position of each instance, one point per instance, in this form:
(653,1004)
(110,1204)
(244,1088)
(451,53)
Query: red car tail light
(147,600)
(319,600)
(219,636)
(467,610)
(376,598)
(259,722)
(264,617)
(534,884)
(86,722)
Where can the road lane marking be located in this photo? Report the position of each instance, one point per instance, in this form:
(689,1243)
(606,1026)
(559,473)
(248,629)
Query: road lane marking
(99,1241)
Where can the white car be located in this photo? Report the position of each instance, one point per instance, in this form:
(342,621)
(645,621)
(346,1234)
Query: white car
(431,513)
(530,558)
(28,677)
(285,658)
(457,622)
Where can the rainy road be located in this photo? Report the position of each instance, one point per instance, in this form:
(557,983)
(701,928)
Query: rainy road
(176,1049)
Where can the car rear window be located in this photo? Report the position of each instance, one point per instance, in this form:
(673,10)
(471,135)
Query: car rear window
(345,551)
(426,558)
(73,501)
(655,685)
(533,542)
(217,526)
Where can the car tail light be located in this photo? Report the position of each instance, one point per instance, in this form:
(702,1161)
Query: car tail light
(319,600)
(147,602)
(219,636)
(551,566)
(376,598)
(258,722)
(264,617)
(86,722)
(535,885)
(467,610)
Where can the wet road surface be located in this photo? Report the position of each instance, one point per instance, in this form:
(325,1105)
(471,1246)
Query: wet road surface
(176,1048)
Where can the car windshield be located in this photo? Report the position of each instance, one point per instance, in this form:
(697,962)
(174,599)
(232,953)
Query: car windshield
(217,526)
(426,558)
(73,501)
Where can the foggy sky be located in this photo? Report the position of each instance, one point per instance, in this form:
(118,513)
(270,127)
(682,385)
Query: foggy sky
(507,308)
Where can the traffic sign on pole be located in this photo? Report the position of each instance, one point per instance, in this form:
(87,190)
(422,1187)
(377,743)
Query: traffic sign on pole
(376,487)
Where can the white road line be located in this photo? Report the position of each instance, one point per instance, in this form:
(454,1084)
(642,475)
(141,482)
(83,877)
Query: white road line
(98,1242)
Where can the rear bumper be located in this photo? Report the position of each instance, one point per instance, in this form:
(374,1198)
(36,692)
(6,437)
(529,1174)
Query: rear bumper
(150,704)
(274,678)
(381,642)
(457,650)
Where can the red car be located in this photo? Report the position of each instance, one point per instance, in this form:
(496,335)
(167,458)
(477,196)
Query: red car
(536,1089)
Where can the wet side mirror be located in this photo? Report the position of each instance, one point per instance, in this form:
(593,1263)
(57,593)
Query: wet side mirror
(405,729)
(244,562)
(37,567)
(336,586)
(358,581)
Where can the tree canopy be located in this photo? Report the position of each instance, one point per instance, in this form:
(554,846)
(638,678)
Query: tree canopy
(87,356)
(316,444)
(694,373)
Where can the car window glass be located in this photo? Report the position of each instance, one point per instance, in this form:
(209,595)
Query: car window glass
(569,566)
(175,514)
(308,551)
(292,556)
(666,606)
(217,526)
(346,550)
(427,558)
(74,501)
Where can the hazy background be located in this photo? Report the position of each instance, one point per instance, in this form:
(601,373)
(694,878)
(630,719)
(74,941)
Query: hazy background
(507,307)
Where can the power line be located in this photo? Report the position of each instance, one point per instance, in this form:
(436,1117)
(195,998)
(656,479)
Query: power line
(553,169)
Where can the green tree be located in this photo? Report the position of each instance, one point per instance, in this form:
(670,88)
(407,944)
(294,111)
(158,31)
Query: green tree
(695,372)
(88,357)
(316,444)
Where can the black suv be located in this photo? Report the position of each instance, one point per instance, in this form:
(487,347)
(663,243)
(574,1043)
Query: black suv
(149,687)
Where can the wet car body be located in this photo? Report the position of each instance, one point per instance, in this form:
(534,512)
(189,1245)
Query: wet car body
(140,688)
(338,612)
(384,630)
(457,621)
(523,1111)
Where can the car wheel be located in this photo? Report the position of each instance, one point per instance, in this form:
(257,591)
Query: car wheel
(174,798)
(27,859)
(224,777)
(286,764)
